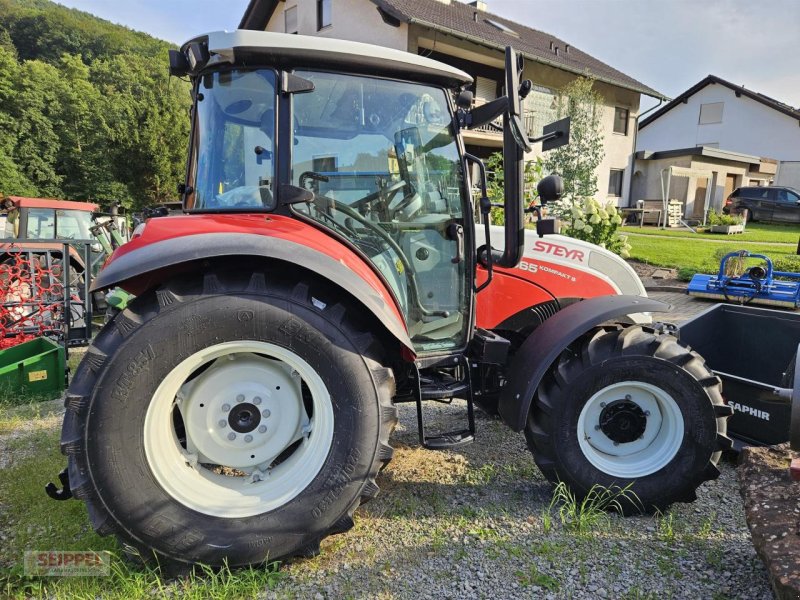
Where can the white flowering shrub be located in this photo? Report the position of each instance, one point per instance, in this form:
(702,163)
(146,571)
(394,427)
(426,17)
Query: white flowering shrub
(589,220)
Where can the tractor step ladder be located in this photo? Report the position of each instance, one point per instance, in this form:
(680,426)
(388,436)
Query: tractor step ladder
(444,388)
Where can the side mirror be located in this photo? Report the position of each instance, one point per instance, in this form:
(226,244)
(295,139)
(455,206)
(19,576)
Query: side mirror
(550,188)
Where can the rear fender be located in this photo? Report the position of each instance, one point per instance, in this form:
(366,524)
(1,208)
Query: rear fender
(543,346)
(149,265)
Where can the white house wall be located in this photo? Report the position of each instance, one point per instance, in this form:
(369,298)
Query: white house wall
(355,20)
(747,127)
(617,147)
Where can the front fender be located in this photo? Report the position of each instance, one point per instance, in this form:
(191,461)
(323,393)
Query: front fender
(144,265)
(550,339)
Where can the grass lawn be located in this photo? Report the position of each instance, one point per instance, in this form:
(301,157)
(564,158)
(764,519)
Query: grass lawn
(29,520)
(697,256)
(754,232)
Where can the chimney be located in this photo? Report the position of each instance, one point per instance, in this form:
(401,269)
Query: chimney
(479,4)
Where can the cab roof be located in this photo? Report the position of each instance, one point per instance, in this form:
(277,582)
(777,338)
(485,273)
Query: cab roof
(289,50)
(23,202)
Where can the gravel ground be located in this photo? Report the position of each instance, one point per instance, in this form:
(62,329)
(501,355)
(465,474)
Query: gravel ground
(472,524)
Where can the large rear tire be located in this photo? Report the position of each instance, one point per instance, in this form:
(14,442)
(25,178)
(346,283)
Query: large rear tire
(229,418)
(630,407)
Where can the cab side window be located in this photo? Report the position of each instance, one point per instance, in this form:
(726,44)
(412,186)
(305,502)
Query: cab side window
(41,223)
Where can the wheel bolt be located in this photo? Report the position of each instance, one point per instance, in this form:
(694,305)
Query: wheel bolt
(597,427)
(231,436)
(257,400)
(647,413)
(240,398)
(616,443)
(222,423)
(627,396)
(248,438)
(226,407)
(262,429)
(265,413)
(602,405)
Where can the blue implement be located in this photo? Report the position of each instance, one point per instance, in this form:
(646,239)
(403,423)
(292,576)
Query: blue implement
(757,285)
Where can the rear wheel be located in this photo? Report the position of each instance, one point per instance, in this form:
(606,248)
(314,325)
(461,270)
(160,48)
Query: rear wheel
(630,407)
(237,420)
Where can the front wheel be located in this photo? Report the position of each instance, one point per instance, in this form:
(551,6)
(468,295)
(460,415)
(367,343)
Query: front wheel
(630,407)
(229,419)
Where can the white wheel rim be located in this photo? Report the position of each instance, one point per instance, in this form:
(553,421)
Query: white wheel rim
(660,439)
(240,379)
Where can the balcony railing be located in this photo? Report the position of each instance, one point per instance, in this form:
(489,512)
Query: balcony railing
(496,126)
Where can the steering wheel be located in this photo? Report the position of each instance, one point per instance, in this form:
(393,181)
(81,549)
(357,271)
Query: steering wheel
(389,192)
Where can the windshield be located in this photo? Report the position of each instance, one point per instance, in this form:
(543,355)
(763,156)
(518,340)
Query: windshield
(48,223)
(73,224)
(381,158)
(232,146)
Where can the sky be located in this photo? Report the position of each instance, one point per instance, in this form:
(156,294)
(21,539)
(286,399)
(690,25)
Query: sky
(669,45)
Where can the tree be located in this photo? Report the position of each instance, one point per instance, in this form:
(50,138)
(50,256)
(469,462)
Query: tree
(577,161)
(12,180)
(531,174)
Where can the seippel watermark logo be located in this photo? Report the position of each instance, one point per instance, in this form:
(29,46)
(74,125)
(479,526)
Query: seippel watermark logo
(65,563)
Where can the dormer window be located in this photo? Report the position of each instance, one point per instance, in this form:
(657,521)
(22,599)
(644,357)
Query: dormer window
(501,27)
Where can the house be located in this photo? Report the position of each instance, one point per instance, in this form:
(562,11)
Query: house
(469,37)
(736,134)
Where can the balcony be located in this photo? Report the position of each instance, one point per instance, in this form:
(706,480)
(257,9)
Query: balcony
(491,134)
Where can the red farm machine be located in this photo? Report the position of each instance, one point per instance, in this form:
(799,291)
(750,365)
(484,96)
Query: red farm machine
(328,268)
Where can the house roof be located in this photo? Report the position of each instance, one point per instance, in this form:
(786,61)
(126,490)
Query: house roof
(482,27)
(740,91)
(705,151)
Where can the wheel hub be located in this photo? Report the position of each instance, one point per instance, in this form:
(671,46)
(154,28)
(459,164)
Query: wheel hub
(623,421)
(244,418)
(242,412)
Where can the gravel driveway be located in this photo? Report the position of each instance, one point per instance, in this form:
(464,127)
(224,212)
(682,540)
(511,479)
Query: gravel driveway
(472,524)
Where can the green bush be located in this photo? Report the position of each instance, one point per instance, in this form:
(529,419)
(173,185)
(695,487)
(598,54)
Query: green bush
(589,220)
(718,218)
(787,264)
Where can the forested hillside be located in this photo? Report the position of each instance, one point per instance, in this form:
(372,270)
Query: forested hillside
(87,108)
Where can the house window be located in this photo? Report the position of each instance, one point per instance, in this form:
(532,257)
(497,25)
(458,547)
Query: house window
(290,16)
(711,113)
(323,14)
(485,88)
(621,120)
(615,182)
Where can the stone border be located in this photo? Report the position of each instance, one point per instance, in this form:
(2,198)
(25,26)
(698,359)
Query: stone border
(772,509)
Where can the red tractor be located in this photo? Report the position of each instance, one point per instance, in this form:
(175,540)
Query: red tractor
(327,268)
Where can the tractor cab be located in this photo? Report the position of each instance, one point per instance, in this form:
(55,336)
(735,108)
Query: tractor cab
(39,218)
(374,162)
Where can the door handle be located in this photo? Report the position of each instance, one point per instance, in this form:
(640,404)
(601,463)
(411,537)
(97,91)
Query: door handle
(455,232)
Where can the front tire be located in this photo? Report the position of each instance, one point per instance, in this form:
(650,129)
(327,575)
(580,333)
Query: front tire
(229,419)
(630,407)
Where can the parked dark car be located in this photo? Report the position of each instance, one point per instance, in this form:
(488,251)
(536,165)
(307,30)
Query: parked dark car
(769,203)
